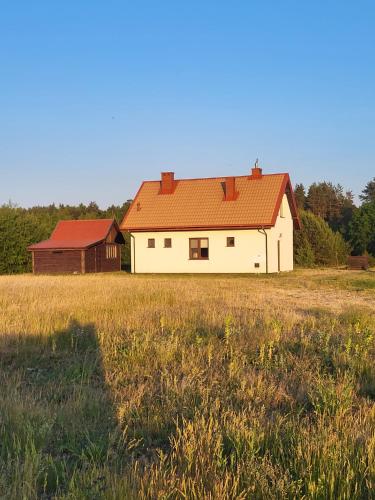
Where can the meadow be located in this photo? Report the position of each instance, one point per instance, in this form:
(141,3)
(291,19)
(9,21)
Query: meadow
(188,387)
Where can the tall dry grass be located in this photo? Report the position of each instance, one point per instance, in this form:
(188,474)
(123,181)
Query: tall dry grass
(118,386)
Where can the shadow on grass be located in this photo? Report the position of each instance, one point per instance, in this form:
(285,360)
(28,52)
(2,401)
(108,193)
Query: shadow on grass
(57,418)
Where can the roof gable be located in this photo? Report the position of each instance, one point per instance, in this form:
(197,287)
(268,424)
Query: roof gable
(201,204)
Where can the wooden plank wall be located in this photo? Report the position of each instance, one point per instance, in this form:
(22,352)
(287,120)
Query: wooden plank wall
(108,265)
(49,261)
(92,260)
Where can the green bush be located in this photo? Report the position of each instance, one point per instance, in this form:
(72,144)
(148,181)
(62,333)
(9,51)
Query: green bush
(317,244)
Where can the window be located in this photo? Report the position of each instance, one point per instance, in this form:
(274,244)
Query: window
(257,265)
(282,208)
(230,241)
(110,251)
(198,248)
(167,242)
(151,243)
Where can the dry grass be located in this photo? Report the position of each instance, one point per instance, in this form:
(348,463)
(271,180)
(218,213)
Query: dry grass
(118,386)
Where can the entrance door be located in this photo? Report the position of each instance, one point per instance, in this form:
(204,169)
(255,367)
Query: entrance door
(278,256)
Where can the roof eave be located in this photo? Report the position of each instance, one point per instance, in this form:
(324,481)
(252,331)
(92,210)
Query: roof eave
(31,248)
(196,228)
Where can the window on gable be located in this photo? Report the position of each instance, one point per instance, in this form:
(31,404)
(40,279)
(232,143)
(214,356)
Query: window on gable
(198,248)
(282,208)
(167,242)
(151,243)
(230,241)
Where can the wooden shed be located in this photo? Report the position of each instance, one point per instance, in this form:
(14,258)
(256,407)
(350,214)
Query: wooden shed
(79,246)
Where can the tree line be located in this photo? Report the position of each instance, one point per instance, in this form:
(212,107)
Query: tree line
(332,226)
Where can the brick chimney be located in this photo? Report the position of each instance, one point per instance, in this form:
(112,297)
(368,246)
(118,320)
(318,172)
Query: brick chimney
(256,172)
(167,184)
(230,189)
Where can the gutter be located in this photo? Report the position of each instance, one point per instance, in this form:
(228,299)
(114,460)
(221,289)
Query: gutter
(262,231)
(194,228)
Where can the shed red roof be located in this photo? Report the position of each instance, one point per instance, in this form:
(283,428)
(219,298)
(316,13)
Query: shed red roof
(77,234)
(201,204)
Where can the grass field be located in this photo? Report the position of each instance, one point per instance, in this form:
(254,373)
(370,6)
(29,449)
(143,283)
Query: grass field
(119,386)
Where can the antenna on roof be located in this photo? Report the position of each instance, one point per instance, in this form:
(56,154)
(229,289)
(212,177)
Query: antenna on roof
(256,164)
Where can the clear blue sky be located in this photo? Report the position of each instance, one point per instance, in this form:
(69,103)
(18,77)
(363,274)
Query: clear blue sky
(96,96)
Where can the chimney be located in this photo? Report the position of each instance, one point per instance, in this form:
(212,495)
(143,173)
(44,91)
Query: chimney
(256,172)
(230,189)
(168,184)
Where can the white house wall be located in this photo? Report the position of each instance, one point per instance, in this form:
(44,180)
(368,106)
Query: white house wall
(282,231)
(249,249)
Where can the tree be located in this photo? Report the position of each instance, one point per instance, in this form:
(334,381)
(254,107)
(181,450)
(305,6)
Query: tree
(303,252)
(317,244)
(300,195)
(18,229)
(341,223)
(332,204)
(368,195)
(362,229)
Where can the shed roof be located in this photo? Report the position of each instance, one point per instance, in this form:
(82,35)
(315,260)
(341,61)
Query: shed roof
(200,204)
(77,234)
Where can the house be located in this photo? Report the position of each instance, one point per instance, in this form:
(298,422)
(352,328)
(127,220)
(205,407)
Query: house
(213,225)
(79,246)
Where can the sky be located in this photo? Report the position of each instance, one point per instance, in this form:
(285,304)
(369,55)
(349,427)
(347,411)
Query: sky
(96,96)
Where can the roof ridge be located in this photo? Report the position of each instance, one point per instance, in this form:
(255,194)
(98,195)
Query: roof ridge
(84,220)
(221,177)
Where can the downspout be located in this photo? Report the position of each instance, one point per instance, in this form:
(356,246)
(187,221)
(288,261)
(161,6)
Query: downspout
(132,238)
(263,231)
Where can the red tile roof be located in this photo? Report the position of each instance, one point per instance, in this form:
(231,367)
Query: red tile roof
(201,204)
(79,234)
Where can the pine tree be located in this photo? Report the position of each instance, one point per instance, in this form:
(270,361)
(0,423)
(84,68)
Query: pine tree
(316,243)
(331,204)
(300,195)
(368,193)
(362,229)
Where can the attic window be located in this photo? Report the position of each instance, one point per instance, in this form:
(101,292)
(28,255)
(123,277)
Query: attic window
(151,243)
(282,209)
(230,241)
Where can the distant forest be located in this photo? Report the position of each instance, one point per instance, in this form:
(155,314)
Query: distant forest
(332,226)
